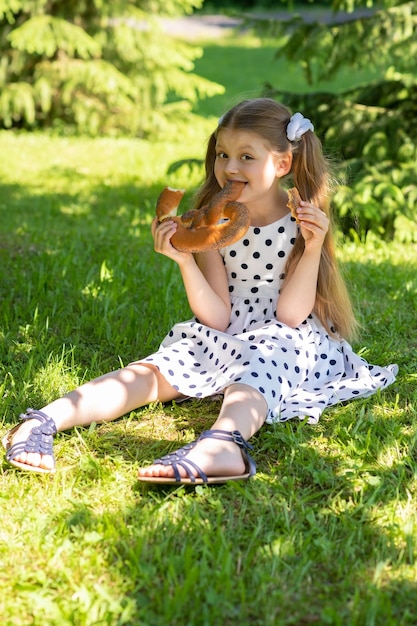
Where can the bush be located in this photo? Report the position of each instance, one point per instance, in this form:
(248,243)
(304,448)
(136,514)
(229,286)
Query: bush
(372,127)
(99,67)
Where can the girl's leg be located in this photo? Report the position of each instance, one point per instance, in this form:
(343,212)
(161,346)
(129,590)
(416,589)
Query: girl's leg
(100,400)
(243,409)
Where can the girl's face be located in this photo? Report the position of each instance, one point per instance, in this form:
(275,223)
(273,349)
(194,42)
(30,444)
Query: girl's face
(247,157)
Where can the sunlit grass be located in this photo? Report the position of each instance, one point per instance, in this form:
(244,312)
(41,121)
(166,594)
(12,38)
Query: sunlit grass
(324,534)
(246,65)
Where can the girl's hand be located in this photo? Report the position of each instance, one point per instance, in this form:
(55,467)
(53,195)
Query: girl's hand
(162,234)
(314,224)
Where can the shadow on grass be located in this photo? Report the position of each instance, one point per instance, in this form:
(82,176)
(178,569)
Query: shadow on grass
(314,538)
(81,271)
(299,545)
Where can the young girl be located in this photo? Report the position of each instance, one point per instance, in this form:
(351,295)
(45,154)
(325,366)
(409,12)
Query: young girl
(271,314)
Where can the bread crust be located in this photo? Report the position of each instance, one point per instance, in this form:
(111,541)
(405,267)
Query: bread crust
(294,201)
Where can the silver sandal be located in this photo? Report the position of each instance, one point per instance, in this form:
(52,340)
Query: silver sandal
(179,458)
(40,441)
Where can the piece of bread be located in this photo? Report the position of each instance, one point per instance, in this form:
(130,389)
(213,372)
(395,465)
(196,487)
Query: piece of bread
(293,203)
(168,203)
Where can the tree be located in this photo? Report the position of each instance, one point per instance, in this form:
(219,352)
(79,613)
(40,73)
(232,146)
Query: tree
(100,66)
(373,127)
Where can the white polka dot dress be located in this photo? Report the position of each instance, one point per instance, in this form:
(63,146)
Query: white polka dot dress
(299,371)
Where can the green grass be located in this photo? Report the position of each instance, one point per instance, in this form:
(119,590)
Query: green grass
(245,64)
(326,531)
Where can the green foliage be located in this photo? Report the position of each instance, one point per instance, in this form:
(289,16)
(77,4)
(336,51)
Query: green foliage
(218,6)
(45,35)
(101,67)
(325,534)
(372,127)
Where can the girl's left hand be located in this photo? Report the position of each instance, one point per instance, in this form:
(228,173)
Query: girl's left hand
(314,224)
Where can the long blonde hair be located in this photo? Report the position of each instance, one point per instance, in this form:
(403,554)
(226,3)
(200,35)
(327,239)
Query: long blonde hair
(311,175)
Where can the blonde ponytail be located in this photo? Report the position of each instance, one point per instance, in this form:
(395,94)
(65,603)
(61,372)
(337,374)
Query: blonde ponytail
(311,176)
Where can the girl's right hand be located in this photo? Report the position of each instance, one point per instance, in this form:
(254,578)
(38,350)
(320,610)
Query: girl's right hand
(162,233)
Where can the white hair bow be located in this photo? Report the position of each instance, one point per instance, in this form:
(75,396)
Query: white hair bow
(297,126)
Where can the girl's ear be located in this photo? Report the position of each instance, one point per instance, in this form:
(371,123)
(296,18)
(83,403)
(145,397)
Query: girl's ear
(284,164)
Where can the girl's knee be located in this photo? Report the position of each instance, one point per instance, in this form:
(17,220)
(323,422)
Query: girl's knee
(245,392)
(158,387)
(149,374)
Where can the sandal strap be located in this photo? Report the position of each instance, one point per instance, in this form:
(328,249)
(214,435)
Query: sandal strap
(34,413)
(178,457)
(238,439)
(40,439)
(227,435)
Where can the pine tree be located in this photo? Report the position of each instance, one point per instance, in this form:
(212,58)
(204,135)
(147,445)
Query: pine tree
(373,127)
(99,66)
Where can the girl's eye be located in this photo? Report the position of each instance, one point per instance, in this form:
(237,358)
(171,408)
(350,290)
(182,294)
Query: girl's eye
(224,155)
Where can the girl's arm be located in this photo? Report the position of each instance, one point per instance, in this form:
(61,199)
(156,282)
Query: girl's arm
(204,278)
(298,293)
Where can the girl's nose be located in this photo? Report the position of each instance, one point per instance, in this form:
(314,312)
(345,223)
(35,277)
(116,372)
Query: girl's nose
(232,166)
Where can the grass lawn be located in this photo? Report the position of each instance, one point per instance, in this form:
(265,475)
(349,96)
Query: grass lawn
(244,65)
(325,533)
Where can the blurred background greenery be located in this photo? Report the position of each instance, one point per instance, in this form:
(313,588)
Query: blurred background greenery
(111,69)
